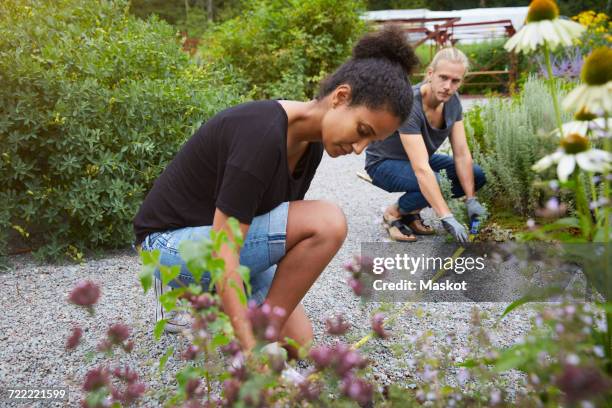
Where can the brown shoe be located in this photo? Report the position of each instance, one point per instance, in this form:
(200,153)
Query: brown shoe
(397,230)
(415,223)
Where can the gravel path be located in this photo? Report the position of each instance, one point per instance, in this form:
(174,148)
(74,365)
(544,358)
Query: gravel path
(36,318)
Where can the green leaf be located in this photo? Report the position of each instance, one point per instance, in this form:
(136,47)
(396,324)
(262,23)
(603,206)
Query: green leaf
(239,291)
(168,274)
(235,229)
(168,299)
(164,359)
(146,278)
(537,294)
(245,273)
(159,328)
(150,258)
(220,339)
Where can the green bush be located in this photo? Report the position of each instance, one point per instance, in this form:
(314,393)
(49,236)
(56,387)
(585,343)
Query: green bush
(93,104)
(506,137)
(284,48)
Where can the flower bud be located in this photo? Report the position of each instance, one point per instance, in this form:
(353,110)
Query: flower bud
(336,325)
(322,356)
(378,321)
(96,378)
(75,338)
(85,293)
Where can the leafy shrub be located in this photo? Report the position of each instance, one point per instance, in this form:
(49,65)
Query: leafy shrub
(503,136)
(284,48)
(94,103)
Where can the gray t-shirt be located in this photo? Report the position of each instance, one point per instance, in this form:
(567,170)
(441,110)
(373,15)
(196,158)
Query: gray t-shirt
(417,123)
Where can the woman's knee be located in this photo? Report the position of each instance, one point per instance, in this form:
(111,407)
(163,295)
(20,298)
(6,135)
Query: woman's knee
(323,220)
(332,222)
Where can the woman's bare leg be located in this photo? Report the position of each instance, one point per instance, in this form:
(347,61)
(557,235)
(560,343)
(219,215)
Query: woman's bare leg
(315,233)
(299,328)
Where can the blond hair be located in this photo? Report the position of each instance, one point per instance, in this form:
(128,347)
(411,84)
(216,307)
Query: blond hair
(449,54)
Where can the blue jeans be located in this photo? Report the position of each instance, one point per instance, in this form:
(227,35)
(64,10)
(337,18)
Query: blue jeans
(261,251)
(398,176)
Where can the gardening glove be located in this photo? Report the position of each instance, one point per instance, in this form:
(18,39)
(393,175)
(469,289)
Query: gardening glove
(474,208)
(455,228)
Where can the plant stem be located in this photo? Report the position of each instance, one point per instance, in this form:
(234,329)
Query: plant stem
(553,89)
(593,194)
(582,207)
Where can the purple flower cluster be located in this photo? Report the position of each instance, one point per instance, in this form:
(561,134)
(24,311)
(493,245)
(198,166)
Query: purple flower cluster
(357,389)
(341,359)
(117,335)
(101,377)
(266,320)
(336,325)
(582,383)
(359,268)
(85,293)
(75,338)
(378,321)
(567,65)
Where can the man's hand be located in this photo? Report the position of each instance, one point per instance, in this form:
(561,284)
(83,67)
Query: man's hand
(455,228)
(474,208)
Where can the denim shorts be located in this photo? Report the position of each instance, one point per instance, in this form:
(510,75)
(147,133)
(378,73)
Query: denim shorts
(261,251)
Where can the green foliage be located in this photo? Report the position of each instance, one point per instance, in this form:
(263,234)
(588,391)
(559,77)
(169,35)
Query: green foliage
(506,138)
(284,48)
(191,16)
(94,103)
(483,56)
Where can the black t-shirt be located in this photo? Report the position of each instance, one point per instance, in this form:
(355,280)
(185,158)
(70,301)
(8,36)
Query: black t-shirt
(237,162)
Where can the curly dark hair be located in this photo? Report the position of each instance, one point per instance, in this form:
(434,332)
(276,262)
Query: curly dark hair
(378,73)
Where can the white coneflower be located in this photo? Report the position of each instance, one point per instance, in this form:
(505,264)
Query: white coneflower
(587,123)
(575,150)
(544,27)
(595,95)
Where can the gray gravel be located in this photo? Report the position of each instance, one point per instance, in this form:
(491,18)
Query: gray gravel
(36,318)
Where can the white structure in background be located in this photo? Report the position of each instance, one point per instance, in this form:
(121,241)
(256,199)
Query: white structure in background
(516,14)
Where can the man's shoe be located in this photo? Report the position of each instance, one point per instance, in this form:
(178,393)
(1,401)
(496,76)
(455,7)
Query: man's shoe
(176,321)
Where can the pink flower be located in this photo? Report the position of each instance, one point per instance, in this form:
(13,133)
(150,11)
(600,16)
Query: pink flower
(191,353)
(118,333)
(322,356)
(96,378)
(309,390)
(357,389)
(232,348)
(336,325)
(203,301)
(231,389)
(582,383)
(133,389)
(125,374)
(75,338)
(85,293)
(348,360)
(356,285)
(265,320)
(378,321)
(191,388)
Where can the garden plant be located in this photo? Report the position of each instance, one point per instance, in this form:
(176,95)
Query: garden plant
(91,113)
